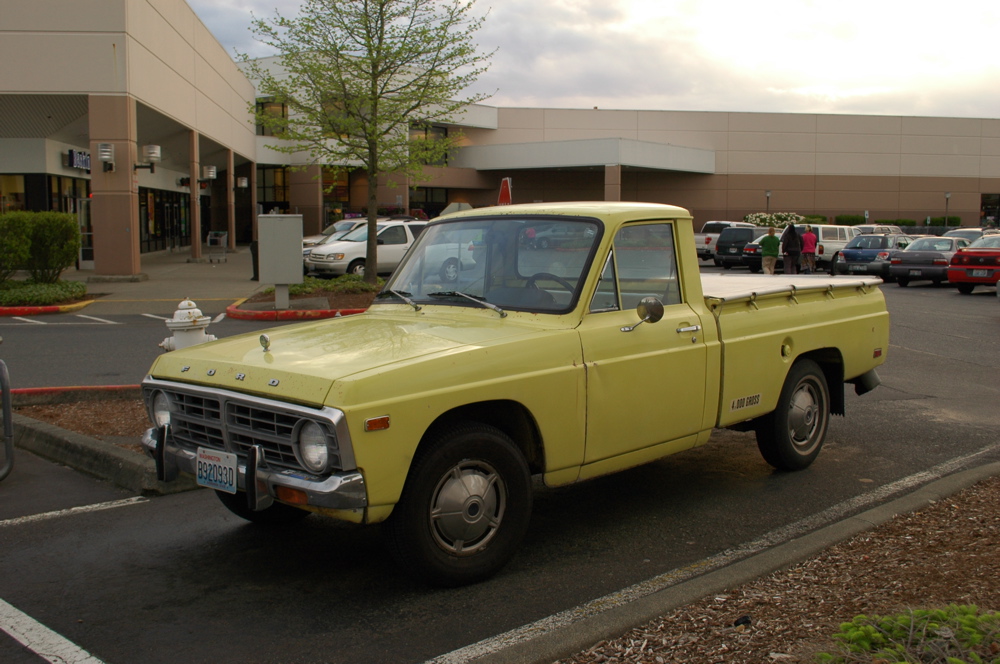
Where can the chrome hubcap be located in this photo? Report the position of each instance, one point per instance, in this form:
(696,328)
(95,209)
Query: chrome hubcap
(467,507)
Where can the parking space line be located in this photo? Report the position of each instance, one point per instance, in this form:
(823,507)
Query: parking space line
(28,320)
(156,317)
(39,639)
(100,320)
(84,509)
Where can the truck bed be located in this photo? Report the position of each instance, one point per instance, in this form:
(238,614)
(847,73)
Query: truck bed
(733,287)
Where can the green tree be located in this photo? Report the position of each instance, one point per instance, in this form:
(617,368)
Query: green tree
(357,76)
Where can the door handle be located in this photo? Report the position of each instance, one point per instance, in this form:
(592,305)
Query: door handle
(689,328)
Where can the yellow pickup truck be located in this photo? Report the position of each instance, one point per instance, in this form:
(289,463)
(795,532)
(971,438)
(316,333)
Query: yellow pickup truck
(490,357)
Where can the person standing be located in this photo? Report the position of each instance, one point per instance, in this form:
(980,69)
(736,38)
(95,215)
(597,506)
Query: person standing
(769,245)
(809,251)
(791,247)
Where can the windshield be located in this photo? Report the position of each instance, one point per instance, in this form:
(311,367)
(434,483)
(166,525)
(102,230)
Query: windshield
(533,264)
(992,241)
(360,234)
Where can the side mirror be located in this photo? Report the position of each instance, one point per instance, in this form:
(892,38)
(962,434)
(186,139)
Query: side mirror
(649,309)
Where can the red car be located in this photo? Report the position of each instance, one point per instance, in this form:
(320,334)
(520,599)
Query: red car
(977,264)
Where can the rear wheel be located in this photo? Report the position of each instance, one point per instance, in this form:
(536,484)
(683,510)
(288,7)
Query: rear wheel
(465,506)
(727,266)
(965,289)
(449,271)
(835,265)
(902,282)
(790,438)
(275,515)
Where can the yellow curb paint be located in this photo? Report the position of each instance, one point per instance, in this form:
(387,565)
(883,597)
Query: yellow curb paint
(63,308)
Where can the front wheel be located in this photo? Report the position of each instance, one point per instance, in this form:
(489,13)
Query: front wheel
(790,438)
(465,506)
(275,515)
(357,267)
(449,271)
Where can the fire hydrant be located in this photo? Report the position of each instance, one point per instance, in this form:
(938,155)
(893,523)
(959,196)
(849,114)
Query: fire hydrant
(188,326)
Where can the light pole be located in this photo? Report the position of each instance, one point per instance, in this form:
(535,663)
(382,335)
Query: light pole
(947,198)
(768,195)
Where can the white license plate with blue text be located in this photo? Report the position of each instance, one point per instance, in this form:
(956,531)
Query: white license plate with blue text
(216,470)
(980,273)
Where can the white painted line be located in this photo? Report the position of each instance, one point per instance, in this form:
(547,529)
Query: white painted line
(219,317)
(657,583)
(99,320)
(84,509)
(41,640)
(156,317)
(28,320)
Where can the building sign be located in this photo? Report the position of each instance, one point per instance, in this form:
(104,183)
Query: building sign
(79,160)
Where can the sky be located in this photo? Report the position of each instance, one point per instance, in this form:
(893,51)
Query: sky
(870,57)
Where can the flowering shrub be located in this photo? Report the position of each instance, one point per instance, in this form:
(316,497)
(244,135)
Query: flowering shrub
(776,219)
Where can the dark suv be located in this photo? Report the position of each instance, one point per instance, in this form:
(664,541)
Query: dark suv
(729,247)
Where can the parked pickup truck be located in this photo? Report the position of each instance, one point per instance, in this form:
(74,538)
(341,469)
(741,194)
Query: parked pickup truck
(432,410)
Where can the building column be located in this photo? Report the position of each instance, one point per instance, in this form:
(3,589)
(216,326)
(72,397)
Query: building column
(195,206)
(230,200)
(115,204)
(613,182)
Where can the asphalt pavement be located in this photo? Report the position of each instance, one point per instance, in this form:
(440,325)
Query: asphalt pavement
(221,286)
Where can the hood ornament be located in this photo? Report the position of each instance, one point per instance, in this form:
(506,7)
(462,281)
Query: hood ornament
(265,342)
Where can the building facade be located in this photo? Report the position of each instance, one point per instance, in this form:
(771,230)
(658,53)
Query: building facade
(131,115)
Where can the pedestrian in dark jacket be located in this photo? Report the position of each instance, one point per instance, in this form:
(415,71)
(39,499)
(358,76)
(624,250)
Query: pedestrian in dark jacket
(791,247)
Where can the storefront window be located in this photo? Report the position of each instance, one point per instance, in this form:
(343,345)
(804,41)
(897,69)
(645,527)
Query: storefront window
(272,188)
(11,193)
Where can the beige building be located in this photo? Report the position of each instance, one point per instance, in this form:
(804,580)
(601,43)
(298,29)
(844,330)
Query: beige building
(90,84)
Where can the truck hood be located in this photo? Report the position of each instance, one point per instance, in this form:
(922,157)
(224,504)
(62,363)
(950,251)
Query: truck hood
(304,361)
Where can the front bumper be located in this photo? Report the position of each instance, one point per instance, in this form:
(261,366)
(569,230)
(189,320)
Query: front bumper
(327,267)
(340,491)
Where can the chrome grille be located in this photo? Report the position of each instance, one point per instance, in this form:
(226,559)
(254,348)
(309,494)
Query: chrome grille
(196,420)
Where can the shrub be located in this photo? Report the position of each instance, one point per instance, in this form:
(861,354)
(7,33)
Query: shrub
(776,219)
(897,222)
(941,221)
(955,635)
(814,219)
(15,242)
(55,245)
(348,283)
(850,219)
(33,294)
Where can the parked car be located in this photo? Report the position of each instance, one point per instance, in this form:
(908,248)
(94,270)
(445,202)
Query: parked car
(878,229)
(976,265)
(706,239)
(347,256)
(870,254)
(970,234)
(926,259)
(729,246)
(334,231)
(830,241)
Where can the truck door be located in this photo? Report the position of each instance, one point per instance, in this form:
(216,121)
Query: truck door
(645,386)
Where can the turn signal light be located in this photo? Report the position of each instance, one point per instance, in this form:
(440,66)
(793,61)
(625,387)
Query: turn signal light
(292,496)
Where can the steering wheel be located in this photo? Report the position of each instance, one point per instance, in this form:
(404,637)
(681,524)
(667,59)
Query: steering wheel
(530,283)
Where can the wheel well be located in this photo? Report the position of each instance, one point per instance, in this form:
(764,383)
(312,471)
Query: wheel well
(509,416)
(832,363)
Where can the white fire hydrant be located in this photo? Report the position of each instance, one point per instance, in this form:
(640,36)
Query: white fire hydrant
(188,326)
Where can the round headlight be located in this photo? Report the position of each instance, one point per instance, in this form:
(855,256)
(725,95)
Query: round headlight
(312,447)
(161,409)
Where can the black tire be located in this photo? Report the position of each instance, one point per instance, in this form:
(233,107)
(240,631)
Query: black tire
(965,289)
(357,267)
(449,271)
(727,266)
(543,243)
(717,262)
(275,515)
(902,282)
(791,437)
(465,507)
(834,264)
(753,270)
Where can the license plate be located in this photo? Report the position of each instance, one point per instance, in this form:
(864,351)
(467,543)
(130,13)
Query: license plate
(980,273)
(856,268)
(732,250)
(914,273)
(216,470)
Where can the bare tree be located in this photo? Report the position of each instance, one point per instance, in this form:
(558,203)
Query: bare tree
(357,76)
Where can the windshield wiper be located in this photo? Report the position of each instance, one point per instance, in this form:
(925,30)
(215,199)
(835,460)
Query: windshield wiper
(478,300)
(402,295)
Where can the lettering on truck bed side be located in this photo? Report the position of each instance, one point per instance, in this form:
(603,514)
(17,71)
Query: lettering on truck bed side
(745,402)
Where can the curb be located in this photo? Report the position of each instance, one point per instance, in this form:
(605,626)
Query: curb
(577,637)
(133,471)
(48,309)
